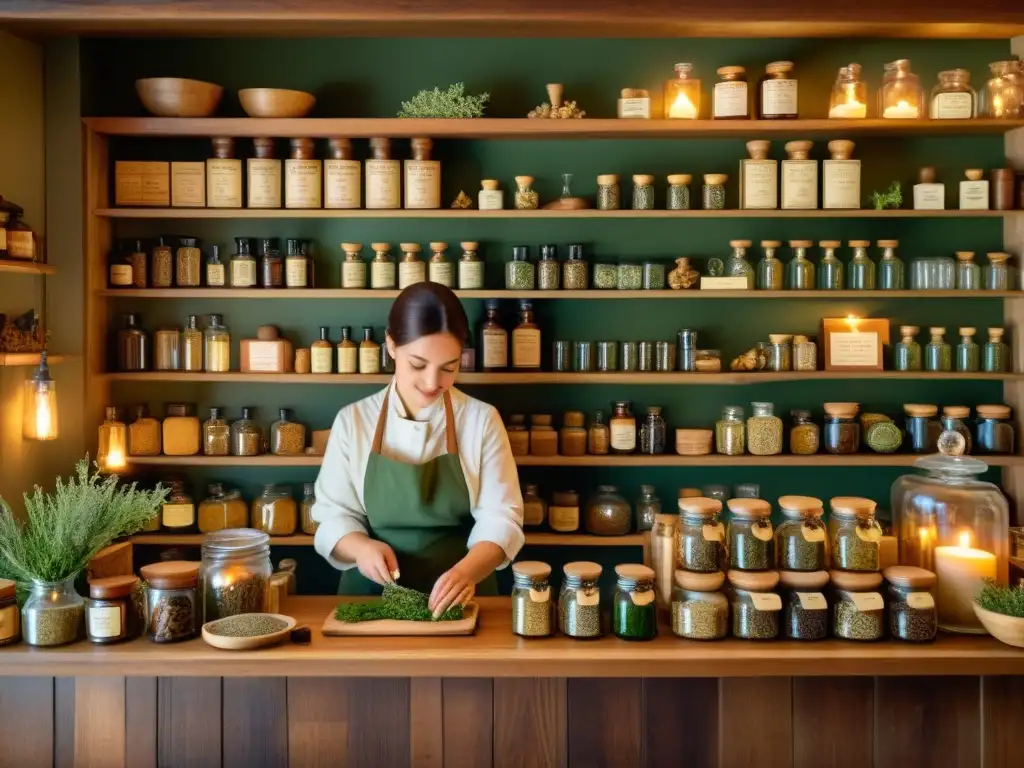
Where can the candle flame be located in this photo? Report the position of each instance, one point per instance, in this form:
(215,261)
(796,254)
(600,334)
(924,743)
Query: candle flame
(965,539)
(115,459)
(682,107)
(44,419)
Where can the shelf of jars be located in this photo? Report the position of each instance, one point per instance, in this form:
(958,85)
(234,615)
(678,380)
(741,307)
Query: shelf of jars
(299,540)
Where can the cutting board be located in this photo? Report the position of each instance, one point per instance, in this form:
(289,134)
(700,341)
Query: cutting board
(464,626)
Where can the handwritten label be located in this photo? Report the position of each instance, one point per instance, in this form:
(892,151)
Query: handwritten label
(812,601)
(853,349)
(867,601)
(766,601)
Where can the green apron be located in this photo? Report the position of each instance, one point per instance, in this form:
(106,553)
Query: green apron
(422,511)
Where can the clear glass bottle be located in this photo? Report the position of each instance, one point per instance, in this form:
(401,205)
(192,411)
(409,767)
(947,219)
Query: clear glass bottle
(654,276)
(548,268)
(842,430)
(132,346)
(755,605)
(700,538)
(830,271)
(274,511)
(911,603)
(222,510)
(922,427)
(751,537)
(764,431)
(854,534)
(579,602)
(235,573)
(699,610)
(800,541)
(643,192)
(953,98)
(598,435)
(997,273)
(353,268)
(144,434)
(968,273)
(1004,91)
(678,192)
(849,95)
(192,346)
(113,442)
(648,506)
(247,438)
(737,265)
(968,354)
(634,608)
(173,610)
(652,432)
(287,437)
(804,435)
(383,273)
(471,268)
(777,93)
(891,271)
(526,198)
(770,269)
(858,612)
(907,352)
(216,434)
(996,354)
(242,267)
(862,268)
(574,269)
(520,271)
(53,614)
(954,419)
(730,432)
(995,432)
(682,94)
(902,96)
(780,352)
(804,605)
(805,354)
(938,355)
(531,599)
(800,270)
(216,346)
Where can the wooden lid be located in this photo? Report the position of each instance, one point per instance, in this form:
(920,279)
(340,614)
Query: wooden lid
(920,409)
(634,93)
(699,505)
(800,338)
(8,589)
(830,243)
(731,71)
(749,507)
(421,148)
(532,569)
(381,246)
(798,150)
(634,572)
(381,148)
(573,419)
(780,338)
(801,506)
(410,247)
(740,243)
(909,330)
(524,180)
(715,178)
(758,148)
(469,246)
(967,331)
(860,243)
(303,149)
(855,581)
(268,333)
(956,411)
(680,178)
(223,146)
(842,410)
(852,506)
(351,248)
(974,174)
(700,582)
(803,579)
(582,569)
(541,420)
(608,178)
(840,149)
(993,411)
(800,243)
(643,179)
(927,174)
(998,257)
(439,247)
(756,581)
(888,243)
(771,243)
(909,576)
(490,185)
(964,255)
(113,586)
(996,333)
(173,574)
(778,66)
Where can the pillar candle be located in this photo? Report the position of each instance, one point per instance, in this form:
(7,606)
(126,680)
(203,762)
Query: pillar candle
(961,572)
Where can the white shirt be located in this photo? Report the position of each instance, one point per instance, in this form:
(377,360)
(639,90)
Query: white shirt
(496,502)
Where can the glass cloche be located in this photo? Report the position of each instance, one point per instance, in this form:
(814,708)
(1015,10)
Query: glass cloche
(956,525)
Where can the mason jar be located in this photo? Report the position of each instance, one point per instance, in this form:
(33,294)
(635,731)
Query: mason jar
(579,602)
(699,610)
(764,431)
(804,606)
(911,604)
(751,538)
(841,432)
(634,611)
(858,608)
(235,573)
(700,536)
(53,613)
(531,599)
(730,432)
(755,606)
(780,354)
(854,534)
(922,428)
(800,540)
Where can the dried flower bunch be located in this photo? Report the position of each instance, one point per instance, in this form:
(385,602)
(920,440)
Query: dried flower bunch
(557,109)
(453,103)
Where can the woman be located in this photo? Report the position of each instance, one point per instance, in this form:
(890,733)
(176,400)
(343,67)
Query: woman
(418,483)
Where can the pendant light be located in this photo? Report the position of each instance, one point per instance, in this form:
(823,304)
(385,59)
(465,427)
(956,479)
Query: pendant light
(40,415)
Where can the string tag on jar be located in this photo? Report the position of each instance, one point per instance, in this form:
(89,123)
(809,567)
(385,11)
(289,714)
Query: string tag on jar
(766,601)
(870,535)
(644,597)
(921,600)
(588,596)
(540,595)
(762,532)
(867,601)
(812,601)
(713,532)
(812,533)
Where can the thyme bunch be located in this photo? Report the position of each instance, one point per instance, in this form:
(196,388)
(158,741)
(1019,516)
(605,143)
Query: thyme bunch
(452,103)
(1008,601)
(891,198)
(396,602)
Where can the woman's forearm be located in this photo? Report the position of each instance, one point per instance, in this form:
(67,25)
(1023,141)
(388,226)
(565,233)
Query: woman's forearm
(347,548)
(480,561)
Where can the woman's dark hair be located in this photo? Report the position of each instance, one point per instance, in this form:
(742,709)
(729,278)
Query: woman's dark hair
(426,308)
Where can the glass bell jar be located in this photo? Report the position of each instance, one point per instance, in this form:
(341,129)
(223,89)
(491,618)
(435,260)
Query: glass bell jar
(956,525)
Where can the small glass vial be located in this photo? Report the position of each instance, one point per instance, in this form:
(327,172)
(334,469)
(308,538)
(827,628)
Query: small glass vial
(911,604)
(167,349)
(890,268)
(777,94)
(849,95)
(804,435)
(216,434)
(699,609)
(730,432)
(579,603)
(574,269)
(953,98)
(770,269)
(342,176)
(643,192)
(764,431)
(751,537)
(953,420)
(353,268)
(609,195)
(652,432)
(800,270)
(531,599)
(995,433)
(471,268)
(780,353)
(854,534)
(110,612)
(296,264)
(804,606)
(412,268)
(383,177)
(800,541)
(968,273)
(902,97)
(188,261)
(862,268)
(243,265)
(598,436)
(634,608)
(995,356)
(271,263)
(997,273)
(548,268)
(439,270)
(382,269)
(307,524)
(247,438)
(805,354)
(907,352)
(215,277)
(678,192)
(622,429)
(216,346)
(968,354)
(526,198)
(842,431)
(938,355)
(700,541)
(490,197)
(682,94)
(713,191)
(730,99)
(858,612)
(520,273)
(755,606)
(830,272)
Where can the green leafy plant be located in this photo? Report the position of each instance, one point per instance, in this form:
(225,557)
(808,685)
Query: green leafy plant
(891,198)
(65,529)
(1009,601)
(454,102)
(395,602)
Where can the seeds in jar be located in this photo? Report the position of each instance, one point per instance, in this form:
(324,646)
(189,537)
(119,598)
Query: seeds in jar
(54,626)
(796,553)
(530,618)
(696,553)
(853,624)
(917,625)
(852,553)
(605,275)
(747,552)
(751,624)
(290,438)
(578,620)
(699,620)
(799,623)
(246,625)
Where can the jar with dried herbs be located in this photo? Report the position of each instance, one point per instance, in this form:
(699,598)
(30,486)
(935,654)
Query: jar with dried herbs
(755,605)
(216,434)
(598,435)
(634,610)
(181,430)
(652,432)
(606,276)
(110,613)
(520,271)
(222,509)
(274,511)
(162,273)
(751,536)
(548,268)
(235,573)
(804,435)
(287,437)
(579,603)
(572,437)
(216,346)
(543,436)
(995,432)
(173,611)
(764,431)
(535,509)
(531,599)
(247,438)
(178,512)
(730,432)
(643,192)
(842,432)
(307,523)
(629,277)
(518,435)
(800,540)
(700,545)
(526,198)
(804,605)
(564,511)
(854,534)
(608,192)
(648,507)
(911,603)
(144,434)
(805,354)
(608,513)
(574,269)
(679,192)
(858,612)
(713,191)
(699,610)
(188,263)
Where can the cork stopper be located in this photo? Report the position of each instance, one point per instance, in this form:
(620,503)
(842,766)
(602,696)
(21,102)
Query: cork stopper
(699,505)
(573,419)
(263,146)
(740,243)
(699,582)
(998,257)
(634,572)
(470,247)
(888,243)
(303,149)
(582,569)
(758,148)
(608,179)
(439,248)
(524,181)
(351,249)
(974,174)
(680,178)
(341,149)
(926,175)
(780,338)
(713,179)
(798,150)
(749,507)
(860,243)
(421,149)
(956,411)
(302,360)
(964,255)
(909,576)
(920,410)
(730,72)
(634,93)
(771,243)
(223,147)
(995,334)
(799,339)
(532,569)
(909,330)
(803,579)
(555,94)
(801,506)
(643,179)
(754,581)
(937,330)
(381,149)
(840,149)
(852,506)
(993,411)
(779,67)
(842,410)
(490,185)
(410,247)
(830,243)
(268,333)
(968,331)
(381,247)
(853,581)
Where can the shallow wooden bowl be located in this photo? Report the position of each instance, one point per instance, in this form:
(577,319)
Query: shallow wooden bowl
(1005,629)
(249,643)
(178,96)
(693,442)
(276,102)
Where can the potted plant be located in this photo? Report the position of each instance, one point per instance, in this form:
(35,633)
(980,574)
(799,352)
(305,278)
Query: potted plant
(1001,611)
(61,532)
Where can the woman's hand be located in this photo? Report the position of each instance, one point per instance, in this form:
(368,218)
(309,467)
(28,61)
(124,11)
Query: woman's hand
(455,587)
(376,561)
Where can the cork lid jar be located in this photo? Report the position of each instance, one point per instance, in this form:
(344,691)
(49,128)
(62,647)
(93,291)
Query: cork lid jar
(801,506)
(699,506)
(852,507)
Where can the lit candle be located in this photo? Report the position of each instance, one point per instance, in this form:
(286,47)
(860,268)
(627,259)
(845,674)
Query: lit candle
(902,111)
(683,108)
(115,459)
(961,573)
(851,109)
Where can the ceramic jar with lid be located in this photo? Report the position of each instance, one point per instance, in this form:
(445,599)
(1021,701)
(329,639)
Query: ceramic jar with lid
(911,604)
(804,605)
(173,610)
(543,437)
(634,609)
(995,433)
(699,609)
(701,535)
(579,602)
(801,539)
(111,614)
(531,599)
(841,432)
(858,610)
(751,537)
(755,605)
(854,534)
(608,513)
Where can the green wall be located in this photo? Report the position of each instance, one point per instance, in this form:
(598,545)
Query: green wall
(367,77)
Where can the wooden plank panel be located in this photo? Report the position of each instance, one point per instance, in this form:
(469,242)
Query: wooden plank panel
(189,711)
(681,721)
(833,721)
(426,722)
(378,735)
(927,721)
(255,713)
(140,719)
(468,722)
(755,721)
(318,722)
(604,722)
(529,722)
(26,721)
(64,722)
(1003,717)
(99,722)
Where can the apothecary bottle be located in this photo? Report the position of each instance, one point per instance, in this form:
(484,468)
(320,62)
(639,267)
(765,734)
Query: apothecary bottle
(132,346)
(634,610)
(369,352)
(804,605)
(110,613)
(162,264)
(713,191)
(682,94)
(849,95)
(800,540)
(622,429)
(382,269)
(579,602)
(804,435)
(700,545)
(548,268)
(902,97)
(353,268)
(699,609)
(167,349)
(678,192)
(223,175)
(243,264)
(938,355)
(297,272)
(271,263)
(383,177)
(890,268)
(643,192)
(997,273)
(800,270)
(841,431)
(216,346)
(764,431)
(996,354)
(907,352)
(342,176)
(274,511)
(188,263)
(968,354)
(531,599)
(910,603)
(247,438)
(922,427)
(144,433)
(755,605)
(471,268)
(412,268)
(953,98)
(303,176)
(439,269)
(520,271)
(730,100)
(953,419)
(526,340)
(652,432)
(737,265)
(216,434)
(830,271)
(120,271)
(968,273)
(526,198)
(862,268)
(777,94)
(770,269)
(493,339)
(995,432)
(598,435)
(730,432)
(751,544)
(854,534)
(574,269)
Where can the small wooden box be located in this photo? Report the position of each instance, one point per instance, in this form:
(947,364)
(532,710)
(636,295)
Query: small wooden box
(188,185)
(854,344)
(142,183)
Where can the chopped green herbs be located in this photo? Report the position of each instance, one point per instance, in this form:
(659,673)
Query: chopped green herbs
(396,602)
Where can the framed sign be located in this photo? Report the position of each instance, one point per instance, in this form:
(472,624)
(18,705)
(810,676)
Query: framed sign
(854,344)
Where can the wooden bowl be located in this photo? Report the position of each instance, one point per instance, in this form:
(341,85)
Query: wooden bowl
(248,643)
(178,97)
(693,442)
(276,102)
(1005,629)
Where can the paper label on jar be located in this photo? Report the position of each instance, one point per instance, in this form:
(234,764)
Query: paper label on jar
(762,532)
(342,184)
(224,183)
(348,359)
(922,601)
(302,184)
(104,622)
(264,182)
(411,272)
(471,275)
(766,601)
(243,273)
(623,435)
(953,106)
(870,535)
(369,359)
(867,601)
(321,359)
(382,274)
(422,184)
(812,601)
(526,348)
(730,99)
(714,532)
(645,597)
(760,187)
(800,184)
(564,519)
(495,349)
(442,273)
(812,533)
(974,195)
(929,197)
(353,274)
(215,275)
(778,97)
(264,357)
(120,274)
(635,108)
(588,596)
(188,185)
(841,181)
(21,244)
(540,595)
(178,515)
(295,272)
(382,184)
(490,199)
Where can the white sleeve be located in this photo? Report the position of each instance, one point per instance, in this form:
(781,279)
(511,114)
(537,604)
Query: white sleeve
(499,503)
(338,509)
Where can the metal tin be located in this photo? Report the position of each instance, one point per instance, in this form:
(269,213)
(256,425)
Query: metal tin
(583,359)
(645,356)
(664,356)
(687,358)
(630,356)
(607,355)
(561,356)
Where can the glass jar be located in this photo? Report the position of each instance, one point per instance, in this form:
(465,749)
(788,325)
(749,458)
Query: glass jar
(216,346)
(842,432)
(167,349)
(132,346)
(955,525)
(911,603)
(968,354)
(306,522)
(110,613)
(764,431)
(663,557)
(737,265)
(274,511)
(755,607)
(271,264)
(777,94)
(634,610)
(564,512)
(770,269)
(535,509)
(629,277)
(804,435)
(520,271)
(579,602)
(804,606)
(652,432)
(780,354)
(608,513)
(654,276)
(609,197)
(938,355)
(572,437)
(1004,90)
(188,261)
(701,535)
(144,434)
(730,432)
(682,94)
(574,269)
(995,356)
(287,437)
(643,192)
(53,614)
(383,272)
(162,262)
(849,95)
(968,274)
(995,432)
(543,437)
(862,268)
(907,352)
(805,354)
(751,537)
(10,614)
(648,506)
(953,98)
(699,610)
(518,435)
(439,268)
(247,437)
(181,430)
(902,97)
(178,513)
(526,197)
(216,434)
(192,345)
(548,268)
(729,97)
(598,435)
(922,428)
(800,270)
(997,273)
(854,534)
(952,420)
(890,268)
(471,268)
(235,573)
(622,429)
(172,601)
(830,273)
(531,599)
(242,265)
(222,509)
(858,610)
(606,276)
(679,192)
(713,191)
(800,541)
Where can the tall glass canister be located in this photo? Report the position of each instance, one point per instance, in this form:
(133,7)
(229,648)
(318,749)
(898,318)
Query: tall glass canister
(737,265)
(800,270)
(862,268)
(996,354)
(968,354)
(830,271)
(968,273)
(891,275)
(531,599)
(770,268)
(907,352)
(938,355)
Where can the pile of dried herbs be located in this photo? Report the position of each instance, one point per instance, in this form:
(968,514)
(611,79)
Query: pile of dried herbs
(395,603)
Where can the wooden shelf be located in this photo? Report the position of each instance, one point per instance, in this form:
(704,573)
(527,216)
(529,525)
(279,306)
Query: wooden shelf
(196,539)
(524,128)
(12,359)
(351,293)
(26,267)
(234,377)
(532,539)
